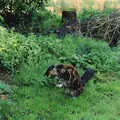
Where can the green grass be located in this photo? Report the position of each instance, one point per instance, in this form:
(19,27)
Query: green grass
(98,102)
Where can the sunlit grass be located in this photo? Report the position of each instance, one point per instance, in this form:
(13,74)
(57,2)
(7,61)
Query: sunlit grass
(98,102)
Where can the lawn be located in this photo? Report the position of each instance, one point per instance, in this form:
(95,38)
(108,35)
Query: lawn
(99,101)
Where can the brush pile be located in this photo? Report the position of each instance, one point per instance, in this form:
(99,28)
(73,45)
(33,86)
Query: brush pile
(103,27)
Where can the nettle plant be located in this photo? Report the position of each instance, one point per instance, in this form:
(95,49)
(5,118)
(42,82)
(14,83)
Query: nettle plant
(97,55)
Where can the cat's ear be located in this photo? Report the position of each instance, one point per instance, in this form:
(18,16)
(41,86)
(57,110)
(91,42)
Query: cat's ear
(49,69)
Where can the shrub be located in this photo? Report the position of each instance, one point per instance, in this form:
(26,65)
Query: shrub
(85,14)
(97,55)
(20,6)
(28,16)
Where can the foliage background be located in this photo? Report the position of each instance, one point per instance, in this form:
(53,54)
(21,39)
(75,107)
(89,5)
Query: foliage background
(30,95)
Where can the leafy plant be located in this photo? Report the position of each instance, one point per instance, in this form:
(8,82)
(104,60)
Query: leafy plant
(85,14)
(4,88)
(98,55)
(19,6)
(27,16)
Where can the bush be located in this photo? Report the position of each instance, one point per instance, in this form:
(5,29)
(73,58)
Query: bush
(97,55)
(85,14)
(20,6)
(39,22)
(28,16)
(10,47)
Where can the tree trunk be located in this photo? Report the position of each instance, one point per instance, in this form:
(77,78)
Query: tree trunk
(70,24)
(69,17)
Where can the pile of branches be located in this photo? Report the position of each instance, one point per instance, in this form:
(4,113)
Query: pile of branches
(103,27)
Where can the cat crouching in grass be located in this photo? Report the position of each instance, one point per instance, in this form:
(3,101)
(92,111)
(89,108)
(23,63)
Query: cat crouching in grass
(71,80)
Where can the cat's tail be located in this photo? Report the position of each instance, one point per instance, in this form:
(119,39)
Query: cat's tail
(89,73)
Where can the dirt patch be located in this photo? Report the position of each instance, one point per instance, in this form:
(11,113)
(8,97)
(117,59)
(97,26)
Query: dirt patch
(5,74)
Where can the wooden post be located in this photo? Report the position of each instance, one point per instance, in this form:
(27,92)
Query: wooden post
(70,23)
(69,19)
